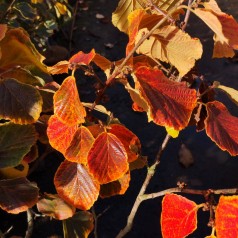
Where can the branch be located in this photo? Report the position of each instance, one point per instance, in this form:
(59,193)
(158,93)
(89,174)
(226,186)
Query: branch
(187,16)
(30,222)
(150,173)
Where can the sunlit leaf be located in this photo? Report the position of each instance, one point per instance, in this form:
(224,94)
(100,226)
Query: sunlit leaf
(67,105)
(225,28)
(129,140)
(103,63)
(80,146)
(221,127)
(15,142)
(96,129)
(82,58)
(172,132)
(19,171)
(165,98)
(178,217)
(18,50)
(107,159)
(117,187)
(60,135)
(24,76)
(21,108)
(171,45)
(79,226)
(231,92)
(227,216)
(61,8)
(76,185)
(17,195)
(212,5)
(52,205)
(60,68)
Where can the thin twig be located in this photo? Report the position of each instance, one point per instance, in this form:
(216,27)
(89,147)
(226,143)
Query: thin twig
(72,26)
(8,10)
(30,222)
(185,23)
(150,173)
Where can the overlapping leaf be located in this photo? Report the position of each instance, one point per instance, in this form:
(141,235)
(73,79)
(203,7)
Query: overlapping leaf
(129,140)
(221,127)
(18,171)
(67,105)
(61,67)
(231,92)
(170,103)
(79,226)
(3,30)
(52,205)
(60,134)
(80,146)
(76,185)
(107,159)
(81,58)
(227,217)
(178,217)
(117,187)
(17,195)
(15,142)
(20,108)
(225,28)
(171,45)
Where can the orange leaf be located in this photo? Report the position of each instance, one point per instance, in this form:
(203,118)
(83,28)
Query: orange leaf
(82,58)
(60,68)
(80,146)
(221,127)
(67,105)
(178,217)
(117,187)
(107,159)
(96,129)
(52,205)
(170,103)
(128,139)
(227,217)
(76,185)
(60,134)
(3,30)
(17,195)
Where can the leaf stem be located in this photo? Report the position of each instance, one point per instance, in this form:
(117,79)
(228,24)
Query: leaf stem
(30,222)
(150,173)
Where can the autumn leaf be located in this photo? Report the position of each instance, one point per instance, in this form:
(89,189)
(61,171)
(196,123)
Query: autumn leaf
(20,108)
(171,45)
(60,134)
(95,129)
(82,58)
(117,187)
(32,155)
(19,171)
(178,217)
(225,28)
(76,185)
(129,140)
(139,163)
(61,67)
(231,92)
(221,127)
(52,205)
(17,195)
(15,142)
(226,217)
(67,105)
(107,159)
(78,226)
(103,63)
(80,146)
(165,98)
(3,30)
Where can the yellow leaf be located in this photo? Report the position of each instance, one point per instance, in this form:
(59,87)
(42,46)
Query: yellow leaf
(36,1)
(231,92)
(171,45)
(172,132)
(61,8)
(19,171)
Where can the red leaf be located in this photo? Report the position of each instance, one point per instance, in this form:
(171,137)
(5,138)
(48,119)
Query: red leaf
(117,187)
(128,139)
(96,130)
(17,195)
(227,217)
(221,127)
(178,217)
(60,134)
(52,205)
(67,105)
(76,185)
(80,146)
(107,159)
(82,58)
(170,103)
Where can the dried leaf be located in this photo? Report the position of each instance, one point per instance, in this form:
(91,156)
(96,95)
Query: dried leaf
(67,105)
(221,127)
(178,217)
(61,67)
(107,159)
(231,92)
(76,185)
